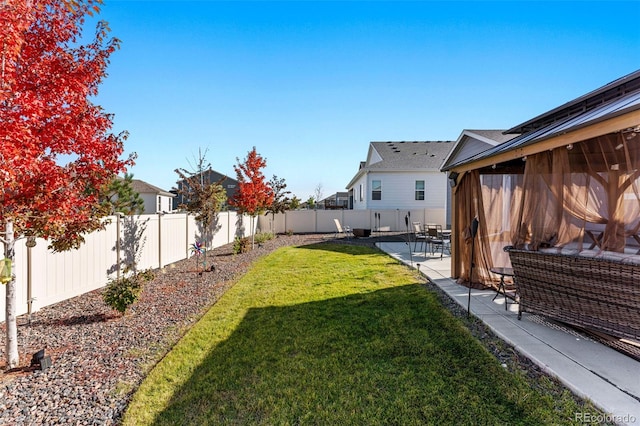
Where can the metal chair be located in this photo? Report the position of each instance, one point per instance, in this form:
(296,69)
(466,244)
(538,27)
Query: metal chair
(344,231)
(437,238)
(419,235)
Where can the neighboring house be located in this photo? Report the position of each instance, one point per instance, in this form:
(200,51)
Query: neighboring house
(156,200)
(208,177)
(401,175)
(339,200)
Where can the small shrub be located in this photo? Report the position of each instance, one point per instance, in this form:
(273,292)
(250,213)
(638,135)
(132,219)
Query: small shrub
(121,293)
(289,232)
(241,245)
(261,237)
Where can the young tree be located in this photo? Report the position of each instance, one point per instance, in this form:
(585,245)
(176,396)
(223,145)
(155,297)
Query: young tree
(318,193)
(295,203)
(57,150)
(281,202)
(254,195)
(120,197)
(200,196)
(311,202)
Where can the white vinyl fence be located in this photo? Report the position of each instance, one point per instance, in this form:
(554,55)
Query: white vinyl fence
(322,221)
(154,241)
(150,241)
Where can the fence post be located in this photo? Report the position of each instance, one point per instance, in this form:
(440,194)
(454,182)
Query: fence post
(160,240)
(118,215)
(186,235)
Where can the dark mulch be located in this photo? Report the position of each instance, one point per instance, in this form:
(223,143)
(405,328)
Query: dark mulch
(100,357)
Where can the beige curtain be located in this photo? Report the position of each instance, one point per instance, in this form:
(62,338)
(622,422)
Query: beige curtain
(573,196)
(470,204)
(566,197)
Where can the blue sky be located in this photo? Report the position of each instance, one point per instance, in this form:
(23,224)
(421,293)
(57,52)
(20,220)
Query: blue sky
(310,84)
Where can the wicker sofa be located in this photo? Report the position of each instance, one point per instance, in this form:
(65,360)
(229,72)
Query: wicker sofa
(592,289)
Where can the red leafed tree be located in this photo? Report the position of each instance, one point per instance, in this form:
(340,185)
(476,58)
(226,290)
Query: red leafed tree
(254,194)
(56,149)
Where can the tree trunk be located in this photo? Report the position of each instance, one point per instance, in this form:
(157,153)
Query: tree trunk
(253,239)
(11,324)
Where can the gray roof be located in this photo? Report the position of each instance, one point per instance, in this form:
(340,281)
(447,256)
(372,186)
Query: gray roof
(410,155)
(142,187)
(598,106)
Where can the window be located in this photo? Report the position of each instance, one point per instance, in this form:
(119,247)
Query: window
(420,190)
(361,193)
(376,190)
(159,204)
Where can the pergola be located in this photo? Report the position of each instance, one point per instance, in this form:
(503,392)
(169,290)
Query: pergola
(570,179)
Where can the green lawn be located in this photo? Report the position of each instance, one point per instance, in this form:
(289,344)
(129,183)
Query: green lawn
(336,334)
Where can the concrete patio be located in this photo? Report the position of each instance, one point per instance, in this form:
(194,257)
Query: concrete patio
(609,379)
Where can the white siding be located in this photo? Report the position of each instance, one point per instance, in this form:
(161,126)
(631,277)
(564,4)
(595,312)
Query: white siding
(398,190)
(166,203)
(360,183)
(151,203)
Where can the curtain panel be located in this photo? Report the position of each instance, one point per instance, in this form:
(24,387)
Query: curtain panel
(583,196)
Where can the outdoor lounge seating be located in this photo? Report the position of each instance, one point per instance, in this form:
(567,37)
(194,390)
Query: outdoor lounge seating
(598,291)
(344,231)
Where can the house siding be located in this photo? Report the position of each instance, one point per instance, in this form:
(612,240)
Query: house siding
(398,191)
(357,203)
(151,203)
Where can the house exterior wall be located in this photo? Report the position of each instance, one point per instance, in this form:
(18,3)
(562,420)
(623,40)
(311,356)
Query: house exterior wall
(151,203)
(166,204)
(229,184)
(361,184)
(398,191)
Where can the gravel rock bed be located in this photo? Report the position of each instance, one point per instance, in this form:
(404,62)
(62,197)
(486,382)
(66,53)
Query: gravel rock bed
(99,357)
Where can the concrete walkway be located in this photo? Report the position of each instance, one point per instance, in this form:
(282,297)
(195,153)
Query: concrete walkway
(593,371)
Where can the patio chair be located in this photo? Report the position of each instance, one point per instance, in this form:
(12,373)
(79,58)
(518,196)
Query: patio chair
(437,238)
(344,231)
(419,235)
